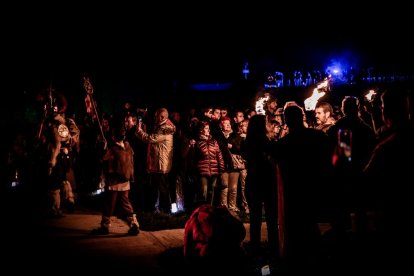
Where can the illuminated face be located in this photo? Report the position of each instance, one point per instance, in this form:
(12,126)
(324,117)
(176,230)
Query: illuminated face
(271,128)
(321,116)
(279,119)
(176,117)
(216,114)
(209,113)
(206,130)
(161,116)
(130,122)
(239,117)
(105,123)
(243,127)
(225,125)
(272,106)
(251,114)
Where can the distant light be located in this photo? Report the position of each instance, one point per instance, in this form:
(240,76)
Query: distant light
(336,71)
(174,208)
(15,184)
(246,70)
(212,86)
(97,192)
(16,181)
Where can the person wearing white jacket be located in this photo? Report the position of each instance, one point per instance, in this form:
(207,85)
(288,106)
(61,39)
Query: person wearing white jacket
(159,160)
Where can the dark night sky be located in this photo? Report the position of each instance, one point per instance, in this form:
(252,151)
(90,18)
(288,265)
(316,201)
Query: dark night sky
(136,45)
(119,32)
(134,50)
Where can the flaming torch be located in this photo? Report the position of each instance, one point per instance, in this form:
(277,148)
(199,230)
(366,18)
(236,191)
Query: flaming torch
(318,92)
(260,103)
(370,96)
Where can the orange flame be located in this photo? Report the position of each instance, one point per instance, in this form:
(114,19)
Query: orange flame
(259,107)
(370,95)
(310,103)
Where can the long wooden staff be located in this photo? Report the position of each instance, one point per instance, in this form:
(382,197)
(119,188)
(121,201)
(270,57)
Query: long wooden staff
(89,91)
(47,109)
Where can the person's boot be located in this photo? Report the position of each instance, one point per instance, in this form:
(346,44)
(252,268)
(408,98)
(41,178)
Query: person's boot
(104,228)
(55,211)
(69,196)
(133,225)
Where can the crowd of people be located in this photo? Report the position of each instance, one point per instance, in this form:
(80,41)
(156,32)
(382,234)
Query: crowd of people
(300,168)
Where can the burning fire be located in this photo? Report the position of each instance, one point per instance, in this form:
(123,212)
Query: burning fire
(370,95)
(310,103)
(260,103)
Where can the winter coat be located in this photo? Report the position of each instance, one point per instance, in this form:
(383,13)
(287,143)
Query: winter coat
(209,157)
(120,167)
(160,147)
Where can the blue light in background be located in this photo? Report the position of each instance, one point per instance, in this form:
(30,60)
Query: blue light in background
(211,86)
